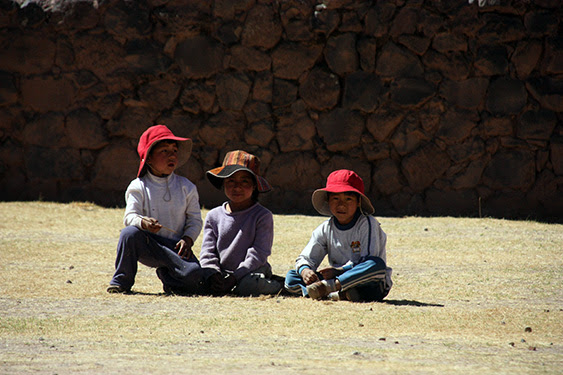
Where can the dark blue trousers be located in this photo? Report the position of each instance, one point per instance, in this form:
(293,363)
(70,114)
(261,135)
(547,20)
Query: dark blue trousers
(154,251)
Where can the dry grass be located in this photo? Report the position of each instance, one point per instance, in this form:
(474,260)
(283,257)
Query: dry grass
(465,292)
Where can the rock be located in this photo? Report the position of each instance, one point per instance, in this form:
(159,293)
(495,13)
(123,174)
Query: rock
(295,171)
(466,94)
(263,87)
(526,57)
(160,94)
(341,55)
(222,128)
(115,167)
(247,58)
(367,50)
(262,28)
(320,89)
(232,90)
(290,61)
(198,97)
(411,91)
(383,122)
(396,61)
(45,94)
(8,89)
(457,126)
(556,151)
(362,91)
(454,66)
(31,53)
(284,93)
(260,133)
(536,124)
(512,169)
(424,166)
(548,91)
(408,136)
(506,96)
(46,131)
(199,56)
(387,178)
(491,61)
(447,42)
(295,132)
(85,130)
(53,163)
(330,127)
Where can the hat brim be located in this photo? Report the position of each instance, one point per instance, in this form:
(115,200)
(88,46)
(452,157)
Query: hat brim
(184,152)
(217,175)
(320,200)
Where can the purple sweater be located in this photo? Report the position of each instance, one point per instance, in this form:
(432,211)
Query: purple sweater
(237,242)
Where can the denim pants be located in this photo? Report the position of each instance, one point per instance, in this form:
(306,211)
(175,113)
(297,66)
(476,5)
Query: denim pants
(154,251)
(368,278)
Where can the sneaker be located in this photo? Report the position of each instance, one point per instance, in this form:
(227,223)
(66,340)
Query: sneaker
(117,289)
(321,289)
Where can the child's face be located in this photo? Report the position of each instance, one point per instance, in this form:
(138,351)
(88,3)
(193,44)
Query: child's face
(163,158)
(343,206)
(239,188)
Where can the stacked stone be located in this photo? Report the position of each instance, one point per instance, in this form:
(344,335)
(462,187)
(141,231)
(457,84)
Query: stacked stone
(442,107)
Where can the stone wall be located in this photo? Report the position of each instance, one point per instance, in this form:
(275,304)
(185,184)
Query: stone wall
(443,107)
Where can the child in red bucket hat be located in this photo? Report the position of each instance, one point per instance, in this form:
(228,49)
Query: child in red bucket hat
(353,241)
(238,235)
(162,217)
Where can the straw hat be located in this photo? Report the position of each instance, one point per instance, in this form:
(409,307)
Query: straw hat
(235,161)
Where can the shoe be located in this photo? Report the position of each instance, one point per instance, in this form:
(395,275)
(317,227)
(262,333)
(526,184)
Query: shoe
(321,289)
(353,295)
(117,289)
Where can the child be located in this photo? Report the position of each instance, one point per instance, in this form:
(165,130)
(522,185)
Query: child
(353,242)
(238,235)
(162,218)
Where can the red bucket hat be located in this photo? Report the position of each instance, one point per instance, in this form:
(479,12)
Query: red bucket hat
(341,181)
(238,161)
(158,133)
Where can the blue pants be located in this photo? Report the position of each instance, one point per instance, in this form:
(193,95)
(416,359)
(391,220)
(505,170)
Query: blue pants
(368,278)
(154,251)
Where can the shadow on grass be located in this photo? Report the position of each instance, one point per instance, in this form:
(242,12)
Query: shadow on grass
(404,302)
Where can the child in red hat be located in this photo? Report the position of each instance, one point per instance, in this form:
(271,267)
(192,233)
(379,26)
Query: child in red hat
(238,235)
(353,241)
(162,217)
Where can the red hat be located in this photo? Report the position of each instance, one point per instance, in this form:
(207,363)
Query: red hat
(238,161)
(341,181)
(158,133)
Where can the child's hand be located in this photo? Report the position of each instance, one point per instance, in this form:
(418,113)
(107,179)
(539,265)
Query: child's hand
(184,247)
(150,224)
(309,276)
(330,272)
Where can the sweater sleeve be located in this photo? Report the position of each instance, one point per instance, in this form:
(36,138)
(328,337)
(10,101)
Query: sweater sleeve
(257,255)
(316,249)
(209,257)
(194,223)
(134,204)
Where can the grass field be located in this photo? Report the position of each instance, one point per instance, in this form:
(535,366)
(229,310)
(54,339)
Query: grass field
(470,296)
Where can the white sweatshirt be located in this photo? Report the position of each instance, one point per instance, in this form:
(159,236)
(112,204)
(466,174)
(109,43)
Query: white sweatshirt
(172,200)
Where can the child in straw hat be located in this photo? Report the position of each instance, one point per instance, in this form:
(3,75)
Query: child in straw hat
(238,235)
(353,241)
(162,217)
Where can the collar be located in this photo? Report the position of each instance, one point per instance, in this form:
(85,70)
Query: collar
(350,224)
